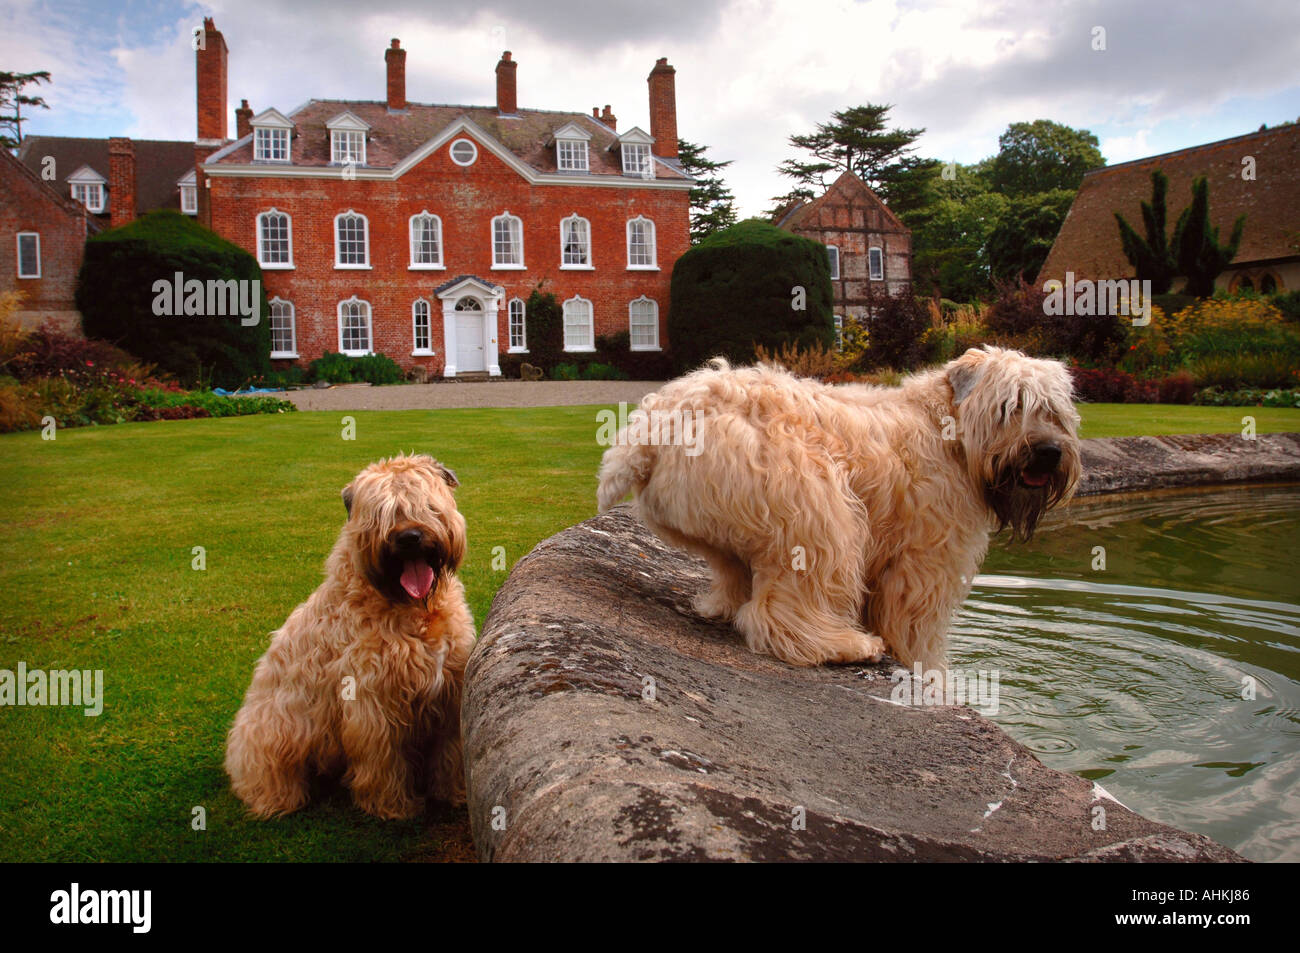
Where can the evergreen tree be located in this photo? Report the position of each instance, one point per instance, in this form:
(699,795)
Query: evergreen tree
(713,207)
(12,101)
(1201,258)
(1151,257)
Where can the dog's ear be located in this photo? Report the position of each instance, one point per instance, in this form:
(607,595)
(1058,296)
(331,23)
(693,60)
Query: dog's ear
(963,373)
(449,476)
(347,498)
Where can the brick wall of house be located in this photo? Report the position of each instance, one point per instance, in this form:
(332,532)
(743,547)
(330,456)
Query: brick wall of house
(466,199)
(27,206)
(855,225)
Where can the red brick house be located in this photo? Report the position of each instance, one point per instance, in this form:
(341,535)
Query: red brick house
(419,231)
(869,248)
(42,236)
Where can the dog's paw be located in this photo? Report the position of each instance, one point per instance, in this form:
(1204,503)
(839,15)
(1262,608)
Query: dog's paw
(714,605)
(859,647)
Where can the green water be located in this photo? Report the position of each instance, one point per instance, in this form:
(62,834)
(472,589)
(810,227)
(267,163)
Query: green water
(1134,675)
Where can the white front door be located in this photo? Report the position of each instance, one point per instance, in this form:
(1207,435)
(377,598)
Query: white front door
(469,341)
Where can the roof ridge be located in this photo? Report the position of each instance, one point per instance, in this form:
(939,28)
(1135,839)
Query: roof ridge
(1290,127)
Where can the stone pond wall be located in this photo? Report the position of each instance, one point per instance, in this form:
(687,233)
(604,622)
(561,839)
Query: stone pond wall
(604,721)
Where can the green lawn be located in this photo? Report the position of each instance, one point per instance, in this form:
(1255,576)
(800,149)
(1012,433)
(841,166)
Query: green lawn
(95,565)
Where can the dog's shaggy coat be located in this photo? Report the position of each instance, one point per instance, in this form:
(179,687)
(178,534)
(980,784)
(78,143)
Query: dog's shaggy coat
(364,678)
(839,522)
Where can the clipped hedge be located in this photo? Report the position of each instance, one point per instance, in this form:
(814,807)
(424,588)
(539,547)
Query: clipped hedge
(117,298)
(737,288)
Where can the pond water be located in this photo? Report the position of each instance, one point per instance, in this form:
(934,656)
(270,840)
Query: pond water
(1134,675)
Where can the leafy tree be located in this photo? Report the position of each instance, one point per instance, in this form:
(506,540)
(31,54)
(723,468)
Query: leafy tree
(749,284)
(12,101)
(1152,257)
(713,207)
(1042,156)
(1019,243)
(1201,258)
(950,246)
(857,140)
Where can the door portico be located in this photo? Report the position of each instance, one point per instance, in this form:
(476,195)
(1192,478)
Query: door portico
(470,304)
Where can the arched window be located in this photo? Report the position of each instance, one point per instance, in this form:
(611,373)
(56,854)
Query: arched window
(351,240)
(421,327)
(643,324)
(274,240)
(507,241)
(426,241)
(518,330)
(1268,285)
(575,242)
(469,304)
(284,336)
(641,251)
(354,327)
(579,329)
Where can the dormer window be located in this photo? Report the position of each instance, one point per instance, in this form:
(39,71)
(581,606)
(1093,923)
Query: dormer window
(347,139)
(87,187)
(571,148)
(189,193)
(271,131)
(635,147)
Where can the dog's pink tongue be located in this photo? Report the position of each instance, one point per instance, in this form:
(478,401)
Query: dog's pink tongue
(417,578)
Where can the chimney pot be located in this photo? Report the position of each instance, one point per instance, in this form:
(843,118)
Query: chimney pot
(395,60)
(507,94)
(243,119)
(121,182)
(608,118)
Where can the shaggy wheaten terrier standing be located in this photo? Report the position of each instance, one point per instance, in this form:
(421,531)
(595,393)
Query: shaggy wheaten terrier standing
(843,521)
(365,676)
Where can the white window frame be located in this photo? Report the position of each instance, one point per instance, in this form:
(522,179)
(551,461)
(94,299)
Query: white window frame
(838,320)
(643,168)
(586,225)
(522,346)
(370,327)
(878,254)
(416,350)
(274,265)
(347,153)
(292,353)
(577,155)
(425,265)
(654,246)
(338,244)
(833,259)
(270,139)
(85,198)
(591,326)
(519,237)
(631,307)
(451,151)
(189,200)
(18,250)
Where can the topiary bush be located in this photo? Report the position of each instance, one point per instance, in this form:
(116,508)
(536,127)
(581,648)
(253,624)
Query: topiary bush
(117,298)
(737,288)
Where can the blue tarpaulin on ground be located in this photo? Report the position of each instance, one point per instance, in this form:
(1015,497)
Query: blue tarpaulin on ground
(222,392)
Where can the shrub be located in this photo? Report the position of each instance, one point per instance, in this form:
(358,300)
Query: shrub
(116,296)
(736,289)
(1244,370)
(19,407)
(1177,388)
(331,368)
(812,361)
(1109,386)
(1173,303)
(377,369)
(1288,303)
(1215,397)
(616,349)
(896,327)
(1017,308)
(566,372)
(596,371)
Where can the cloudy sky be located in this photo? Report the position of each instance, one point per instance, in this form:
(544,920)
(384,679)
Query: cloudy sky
(1174,73)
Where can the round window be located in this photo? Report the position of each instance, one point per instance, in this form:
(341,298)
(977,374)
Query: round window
(463,152)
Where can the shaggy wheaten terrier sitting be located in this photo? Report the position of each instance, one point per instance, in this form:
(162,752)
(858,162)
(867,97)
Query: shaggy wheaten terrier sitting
(843,521)
(365,677)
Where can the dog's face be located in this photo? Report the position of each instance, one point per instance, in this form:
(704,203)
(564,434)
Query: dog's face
(1019,431)
(405,528)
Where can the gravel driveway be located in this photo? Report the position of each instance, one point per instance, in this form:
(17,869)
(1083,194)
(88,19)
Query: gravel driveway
(471,394)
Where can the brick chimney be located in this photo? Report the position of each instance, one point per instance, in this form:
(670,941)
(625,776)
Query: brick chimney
(663,108)
(395,58)
(243,119)
(507,96)
(210,71)
(121,182)
(609,119)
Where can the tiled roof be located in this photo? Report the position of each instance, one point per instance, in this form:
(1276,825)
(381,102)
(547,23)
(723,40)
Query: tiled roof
(158,164)
(73,209)
(1088,243)
(848,185)
(395,135)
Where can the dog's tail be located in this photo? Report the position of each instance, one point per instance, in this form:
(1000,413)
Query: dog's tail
(626,466)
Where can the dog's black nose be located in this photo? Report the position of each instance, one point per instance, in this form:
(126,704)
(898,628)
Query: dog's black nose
(409,539)
(1047,455)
